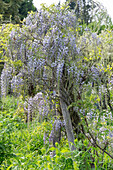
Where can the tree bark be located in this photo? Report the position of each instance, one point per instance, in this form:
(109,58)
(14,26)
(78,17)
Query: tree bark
(68,123)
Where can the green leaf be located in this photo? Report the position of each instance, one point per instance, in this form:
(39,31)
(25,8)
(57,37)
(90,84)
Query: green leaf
(69,164)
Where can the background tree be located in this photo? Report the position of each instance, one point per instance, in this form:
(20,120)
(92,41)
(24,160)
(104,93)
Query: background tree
(11,8)
(100,19)
(91,13)
(25,7)
(83,10)
(16,9)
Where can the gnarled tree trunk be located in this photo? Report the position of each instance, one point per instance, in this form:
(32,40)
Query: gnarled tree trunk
(68,123)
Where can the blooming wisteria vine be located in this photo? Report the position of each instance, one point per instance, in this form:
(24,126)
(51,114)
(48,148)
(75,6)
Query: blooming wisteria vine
(48,54)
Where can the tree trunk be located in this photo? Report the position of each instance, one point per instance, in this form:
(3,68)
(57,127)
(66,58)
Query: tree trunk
(68,123)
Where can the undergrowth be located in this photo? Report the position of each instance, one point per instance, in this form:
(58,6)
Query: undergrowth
(24,147)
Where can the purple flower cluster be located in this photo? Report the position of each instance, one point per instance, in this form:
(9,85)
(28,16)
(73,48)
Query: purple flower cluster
(17,84)
(5,80)
(60,70)
(37,106)
(55,128)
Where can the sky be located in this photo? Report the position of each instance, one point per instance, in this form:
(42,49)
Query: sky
(108,4)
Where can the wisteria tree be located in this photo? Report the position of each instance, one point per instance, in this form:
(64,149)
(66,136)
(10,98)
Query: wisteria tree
(74,70)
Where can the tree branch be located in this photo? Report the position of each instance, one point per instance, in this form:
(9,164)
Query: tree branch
(94,140)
